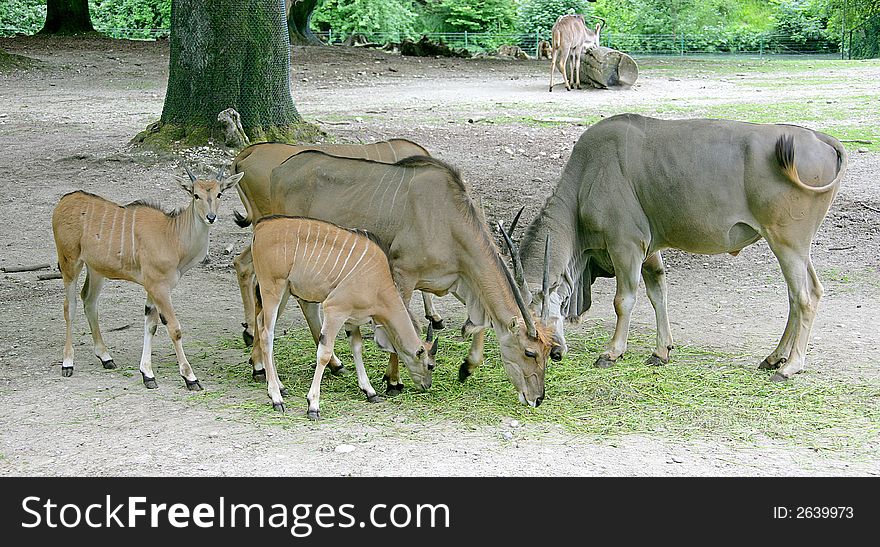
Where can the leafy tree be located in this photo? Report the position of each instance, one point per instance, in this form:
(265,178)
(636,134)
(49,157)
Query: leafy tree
(539,15)
(476,15)
(228,54)
(131,13)
(67,17)
(366,16)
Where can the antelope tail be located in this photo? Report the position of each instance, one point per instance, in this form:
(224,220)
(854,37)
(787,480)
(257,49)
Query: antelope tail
(785,157)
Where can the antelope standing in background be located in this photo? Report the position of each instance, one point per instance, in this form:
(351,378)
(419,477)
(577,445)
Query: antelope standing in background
(257,162)
(571,37)
(348,273)
(137,242)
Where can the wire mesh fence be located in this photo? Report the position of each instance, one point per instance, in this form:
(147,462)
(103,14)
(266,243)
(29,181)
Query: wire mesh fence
(863,42)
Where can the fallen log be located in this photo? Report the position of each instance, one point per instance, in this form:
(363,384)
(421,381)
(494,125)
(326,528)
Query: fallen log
(606,68)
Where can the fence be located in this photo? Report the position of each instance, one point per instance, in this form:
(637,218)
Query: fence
(862,42)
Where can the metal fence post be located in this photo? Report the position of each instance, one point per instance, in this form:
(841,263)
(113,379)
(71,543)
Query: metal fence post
(330,36)
(537,51)
(682,45)
(465,40)
(762,46)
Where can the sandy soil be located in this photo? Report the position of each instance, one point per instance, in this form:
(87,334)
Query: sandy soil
(65,125)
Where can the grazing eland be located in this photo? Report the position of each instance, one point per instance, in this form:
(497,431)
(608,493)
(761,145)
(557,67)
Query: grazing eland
(347,272)
(634,186)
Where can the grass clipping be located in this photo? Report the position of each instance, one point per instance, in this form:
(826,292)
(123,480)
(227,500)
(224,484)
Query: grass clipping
(701,394)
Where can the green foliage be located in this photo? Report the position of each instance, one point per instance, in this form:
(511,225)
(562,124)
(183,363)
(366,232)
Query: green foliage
(366,17)
(130,13)
(27,15)
(476,15)
(539,15)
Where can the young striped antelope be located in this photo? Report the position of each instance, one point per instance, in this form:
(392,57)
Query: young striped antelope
(348,273)
(137,242)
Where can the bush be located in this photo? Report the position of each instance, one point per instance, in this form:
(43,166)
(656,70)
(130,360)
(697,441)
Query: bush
(369,17)
(538,16)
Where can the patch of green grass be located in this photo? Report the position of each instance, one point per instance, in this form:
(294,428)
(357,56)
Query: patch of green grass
(703,393)
(725,65)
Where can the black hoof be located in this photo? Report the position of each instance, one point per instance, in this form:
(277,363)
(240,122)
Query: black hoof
(766,365)
(278,407)
(437,325)
(66,372)
(193,386)
(259,376)
(284,392)
(375,399)
(394,390)
(314,415)
(778,378)
(463,372)
(149,382)
(603,362)
(339,371)
(248,338)
(655,361)
(108,364)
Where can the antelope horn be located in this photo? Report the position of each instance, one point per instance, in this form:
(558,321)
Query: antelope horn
(527,316)
(190,173)
(545,286)
(429,335)
(517,263)
(515,220)
(220,173)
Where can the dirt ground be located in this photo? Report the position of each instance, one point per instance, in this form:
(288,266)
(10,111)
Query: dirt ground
(65,125)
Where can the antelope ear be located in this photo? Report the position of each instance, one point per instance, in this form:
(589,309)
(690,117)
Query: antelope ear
(230,181)
(185,183)
(513,325)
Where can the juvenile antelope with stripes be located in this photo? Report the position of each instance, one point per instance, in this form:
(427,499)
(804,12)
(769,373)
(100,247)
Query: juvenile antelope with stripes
(348,273)
(257,162)
(140,243)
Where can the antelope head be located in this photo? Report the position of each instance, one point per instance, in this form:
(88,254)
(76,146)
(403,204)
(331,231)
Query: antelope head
(206,192)
(421,365)
(546,304)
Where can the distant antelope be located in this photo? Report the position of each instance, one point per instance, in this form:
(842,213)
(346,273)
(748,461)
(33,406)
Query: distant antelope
(571,38)
(137,242)
(348,272)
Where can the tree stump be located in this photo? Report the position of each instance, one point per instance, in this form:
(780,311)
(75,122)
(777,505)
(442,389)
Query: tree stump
(607,68)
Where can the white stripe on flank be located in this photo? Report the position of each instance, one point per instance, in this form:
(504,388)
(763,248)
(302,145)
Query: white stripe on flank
(327,256)
(107,240)
(100,228)
(298,228)
(339,253)
(394,198)
(376,189)
(342,268)
(393,151)
(315,256)
(353,268)
(306,241)
(382,199)
(121,250)
(133,217)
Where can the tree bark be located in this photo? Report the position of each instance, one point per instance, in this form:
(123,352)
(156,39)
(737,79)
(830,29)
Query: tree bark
(604,67)
(228,54)
(67,17)
(299,16)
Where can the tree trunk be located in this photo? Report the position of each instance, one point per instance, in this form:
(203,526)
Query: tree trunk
(604,67)
(67,17)
(228,54)
(299,16)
